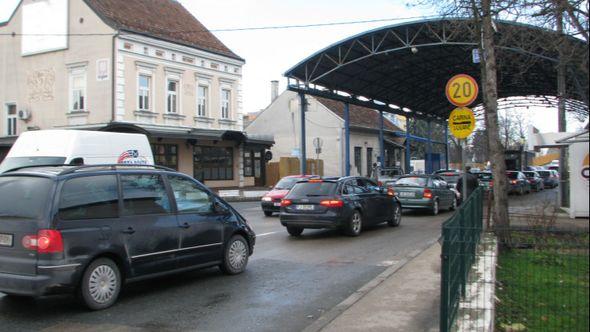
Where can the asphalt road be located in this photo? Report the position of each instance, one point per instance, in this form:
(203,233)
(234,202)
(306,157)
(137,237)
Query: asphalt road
(288,284)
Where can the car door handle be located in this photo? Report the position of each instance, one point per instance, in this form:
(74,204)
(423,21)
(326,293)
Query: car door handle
(129,230)
(185,225)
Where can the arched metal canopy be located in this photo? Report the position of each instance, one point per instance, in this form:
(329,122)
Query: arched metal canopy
(404,68)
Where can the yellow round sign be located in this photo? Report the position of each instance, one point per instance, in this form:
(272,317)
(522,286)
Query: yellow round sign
(461,90)
(461,122)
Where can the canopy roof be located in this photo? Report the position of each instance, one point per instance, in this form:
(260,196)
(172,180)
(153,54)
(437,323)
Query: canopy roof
(404,68)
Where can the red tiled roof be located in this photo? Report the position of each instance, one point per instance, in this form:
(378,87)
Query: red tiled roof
(359,116)
(163,19)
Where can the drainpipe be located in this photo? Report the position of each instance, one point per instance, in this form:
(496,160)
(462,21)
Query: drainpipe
(113,77)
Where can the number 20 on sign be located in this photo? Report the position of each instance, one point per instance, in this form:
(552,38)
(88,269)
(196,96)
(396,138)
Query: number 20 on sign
(461,90)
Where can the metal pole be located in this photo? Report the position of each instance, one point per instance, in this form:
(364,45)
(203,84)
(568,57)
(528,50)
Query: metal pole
(347,138)
(446,145)
(381,144)
(302,157)
(464,168)
(407,145)
(429,149)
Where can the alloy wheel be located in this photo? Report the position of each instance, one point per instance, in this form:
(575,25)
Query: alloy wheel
(238,253)
(102,284)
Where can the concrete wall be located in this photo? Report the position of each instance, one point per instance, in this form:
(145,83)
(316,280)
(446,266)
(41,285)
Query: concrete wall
(39,83)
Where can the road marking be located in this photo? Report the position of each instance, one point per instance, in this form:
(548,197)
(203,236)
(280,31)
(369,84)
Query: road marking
(265,234)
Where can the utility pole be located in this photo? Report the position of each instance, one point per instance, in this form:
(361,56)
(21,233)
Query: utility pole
(561,115)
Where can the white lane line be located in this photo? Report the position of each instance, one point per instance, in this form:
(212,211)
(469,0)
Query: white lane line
(265,234)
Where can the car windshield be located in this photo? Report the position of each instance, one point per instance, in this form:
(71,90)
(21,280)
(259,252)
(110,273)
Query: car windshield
(308,189)
(412,181)
(286,183)
(485,176)
(24,196)
(512,175)
(17,162)
(544,174)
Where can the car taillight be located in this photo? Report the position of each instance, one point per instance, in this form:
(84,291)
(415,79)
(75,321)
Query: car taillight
(332,203)
(491,183)
(513,181)
(315,181)
(45,241)
(380,184)
(427,193)
(390,192)
(286,202)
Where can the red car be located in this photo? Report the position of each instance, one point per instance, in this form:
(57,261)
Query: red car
(271,201)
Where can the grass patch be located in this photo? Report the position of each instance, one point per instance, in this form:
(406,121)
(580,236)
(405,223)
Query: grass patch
(543,289)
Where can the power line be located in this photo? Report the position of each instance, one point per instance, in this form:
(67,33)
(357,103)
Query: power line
(278,27)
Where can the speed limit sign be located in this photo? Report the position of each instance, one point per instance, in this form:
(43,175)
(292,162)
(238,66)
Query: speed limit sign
(461,90)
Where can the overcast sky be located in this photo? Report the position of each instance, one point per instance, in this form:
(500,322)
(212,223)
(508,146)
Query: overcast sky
(269,53)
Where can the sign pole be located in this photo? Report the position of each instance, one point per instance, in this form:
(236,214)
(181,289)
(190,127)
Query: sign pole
(464,167)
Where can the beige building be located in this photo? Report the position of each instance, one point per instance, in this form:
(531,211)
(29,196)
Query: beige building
(324,120)
(131,66)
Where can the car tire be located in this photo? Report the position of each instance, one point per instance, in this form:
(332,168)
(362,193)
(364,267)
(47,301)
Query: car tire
(101,284)
(453,206)
(435,208)
(294,231)
(396,217)
(235,255)
(354,225)
(268,213)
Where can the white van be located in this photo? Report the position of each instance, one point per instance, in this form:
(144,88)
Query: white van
(58,147)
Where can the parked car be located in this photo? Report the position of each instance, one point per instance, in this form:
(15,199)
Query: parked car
(518,183)
(550,178)
(271,201)
(535,180)
(347,204)
(451,176)
(486,180)
(91,229)
(428,192)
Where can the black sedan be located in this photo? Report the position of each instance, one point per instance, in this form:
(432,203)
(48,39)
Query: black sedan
(347,204)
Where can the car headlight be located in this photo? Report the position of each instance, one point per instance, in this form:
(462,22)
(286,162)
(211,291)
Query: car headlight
(266,199)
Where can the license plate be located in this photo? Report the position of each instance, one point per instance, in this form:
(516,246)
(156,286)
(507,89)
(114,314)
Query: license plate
(277,204)
(304,207)
(6,240)
(406,194)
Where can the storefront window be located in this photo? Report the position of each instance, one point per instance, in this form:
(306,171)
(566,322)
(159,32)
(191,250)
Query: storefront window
(248,170)
(213,163)
(166,155)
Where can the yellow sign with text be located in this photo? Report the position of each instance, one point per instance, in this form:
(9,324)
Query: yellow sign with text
(461,122)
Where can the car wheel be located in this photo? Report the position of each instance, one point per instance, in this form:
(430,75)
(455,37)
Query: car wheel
(454,204)
(101,284)
(294,231)
(354,225)
(435,208)
(396,217)
(235,255)
(268,213)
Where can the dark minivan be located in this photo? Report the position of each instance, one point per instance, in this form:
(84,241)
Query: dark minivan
(348,204)
(89,229)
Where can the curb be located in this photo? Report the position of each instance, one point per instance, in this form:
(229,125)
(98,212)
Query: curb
(231,199)
(341,307)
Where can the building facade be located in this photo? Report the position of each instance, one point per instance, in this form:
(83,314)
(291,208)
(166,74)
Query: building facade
(325,125)
(130,66)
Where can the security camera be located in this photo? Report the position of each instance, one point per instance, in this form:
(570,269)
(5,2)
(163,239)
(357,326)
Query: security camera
(414,50)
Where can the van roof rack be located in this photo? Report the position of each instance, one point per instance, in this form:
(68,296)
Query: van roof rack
(113,167)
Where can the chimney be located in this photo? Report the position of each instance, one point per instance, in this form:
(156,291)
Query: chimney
(274,90)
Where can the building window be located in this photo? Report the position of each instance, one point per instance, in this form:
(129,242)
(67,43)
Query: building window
(10,120)
(78,90)
(202,93)
(248,163)
(213,163)
(172,96)
(369,162)
(225,103)
(357,159)
(143,92)
(166,155)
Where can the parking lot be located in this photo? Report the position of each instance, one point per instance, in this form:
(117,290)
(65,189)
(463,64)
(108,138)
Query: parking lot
(289,283)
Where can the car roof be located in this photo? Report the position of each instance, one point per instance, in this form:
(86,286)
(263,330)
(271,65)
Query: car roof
(63,170)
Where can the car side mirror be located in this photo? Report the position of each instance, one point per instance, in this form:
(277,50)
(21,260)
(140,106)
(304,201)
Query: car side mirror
(219,208)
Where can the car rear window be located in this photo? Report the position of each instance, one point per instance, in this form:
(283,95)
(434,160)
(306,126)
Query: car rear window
(24,196)
(512,175)
(313,189)
(529,174)
(287,183)
(544,174)
(485,176)
(412,181)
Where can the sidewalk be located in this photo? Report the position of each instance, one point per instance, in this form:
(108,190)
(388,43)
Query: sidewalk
(247,194)
(405,297)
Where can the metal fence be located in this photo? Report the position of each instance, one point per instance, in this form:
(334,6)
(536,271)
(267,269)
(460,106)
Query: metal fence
(460,238)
